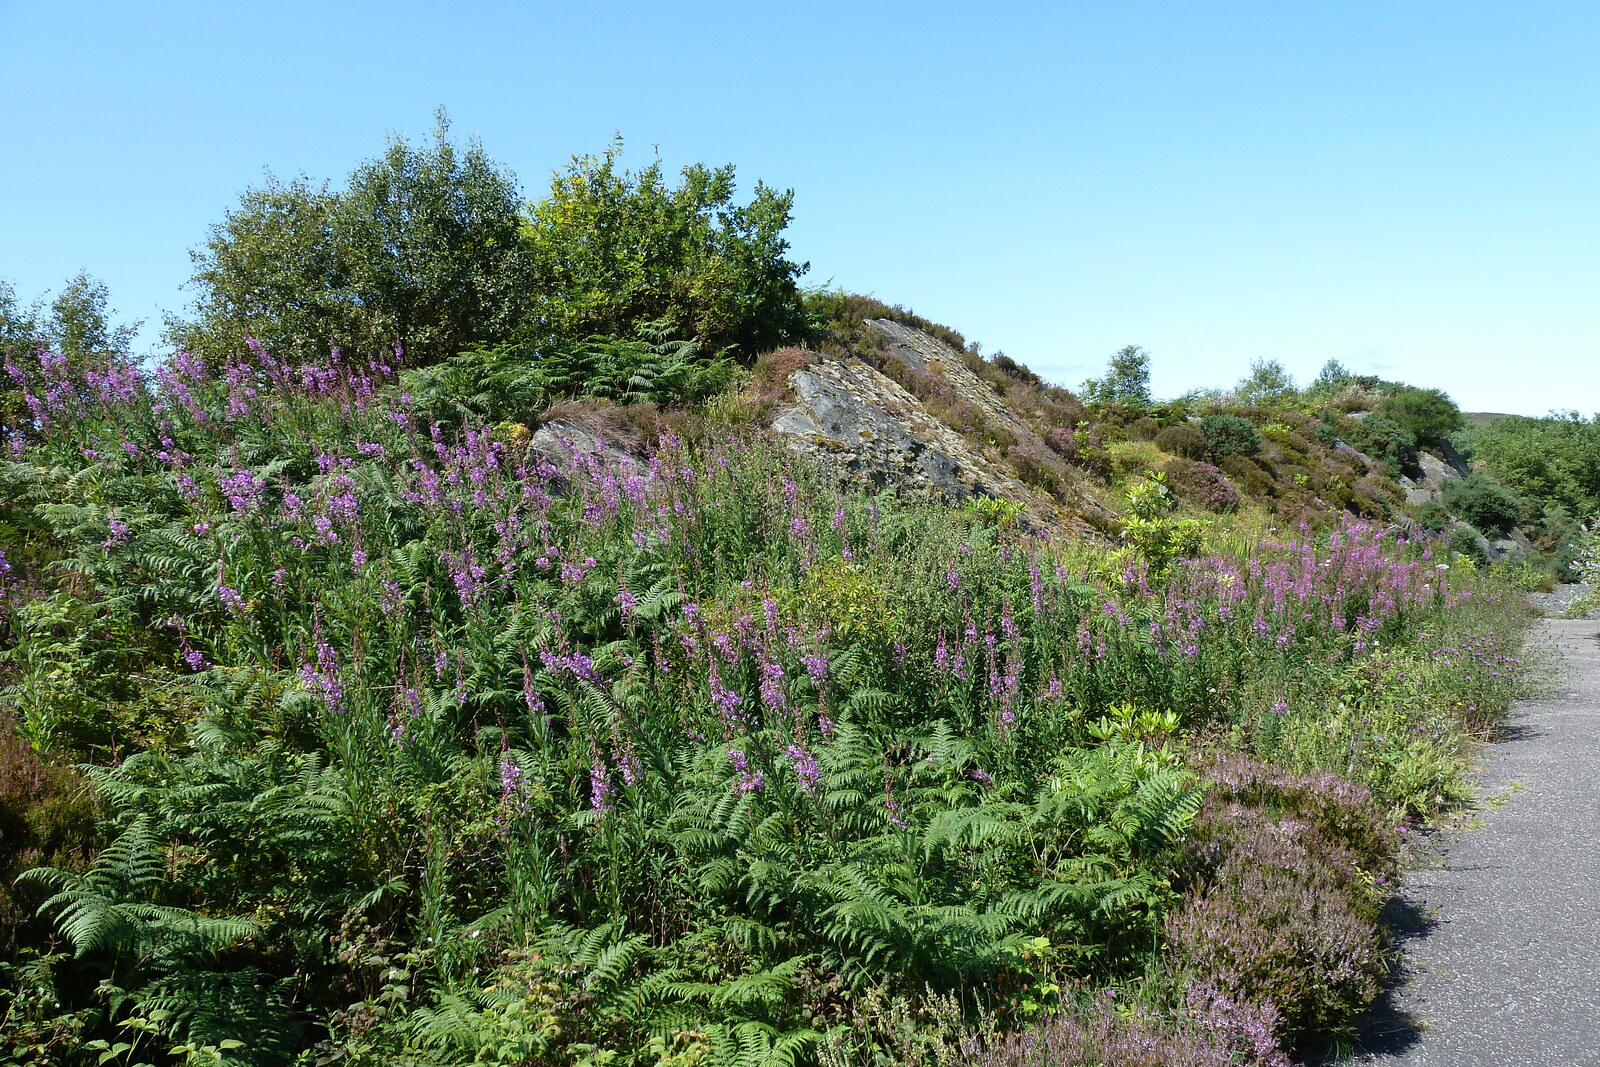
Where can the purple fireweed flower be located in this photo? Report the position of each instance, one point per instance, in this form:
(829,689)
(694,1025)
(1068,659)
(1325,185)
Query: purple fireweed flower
(192,657)
(627,764)
(805,767)
(243,490)
(749,781)
(231,599)
(773,693)
(321,677)
(599,786)
(119,533)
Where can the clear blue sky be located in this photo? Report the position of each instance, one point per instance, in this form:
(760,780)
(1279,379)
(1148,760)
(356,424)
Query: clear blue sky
(1410,188)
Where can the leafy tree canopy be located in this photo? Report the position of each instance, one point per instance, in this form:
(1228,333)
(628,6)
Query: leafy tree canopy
(1127,380)
(1268,384)
(610,249)
(420,250)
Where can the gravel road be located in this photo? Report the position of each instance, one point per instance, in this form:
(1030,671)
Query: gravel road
(1501,938)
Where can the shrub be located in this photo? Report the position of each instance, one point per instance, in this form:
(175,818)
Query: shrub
(1426,414)
(1230,435)
(1249,475)
(1221,1034)
(1281,909)
(1385,440)
(1143,429)
(1433,517)
(1039,467)
(610,248)
(1484,502)
(1063,442)
(1466,541)
(1287,439)
(1132,457)
(771,372)
(1201,485)
(1182,440)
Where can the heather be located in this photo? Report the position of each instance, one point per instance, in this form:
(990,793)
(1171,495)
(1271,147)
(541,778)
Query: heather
(417,737)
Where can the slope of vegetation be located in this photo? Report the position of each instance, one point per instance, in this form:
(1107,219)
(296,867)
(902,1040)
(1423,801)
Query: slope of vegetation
(349,722)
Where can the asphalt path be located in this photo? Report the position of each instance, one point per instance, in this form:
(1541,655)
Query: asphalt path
(1500,938)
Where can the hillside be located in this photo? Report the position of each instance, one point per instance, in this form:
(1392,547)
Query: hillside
(605,652)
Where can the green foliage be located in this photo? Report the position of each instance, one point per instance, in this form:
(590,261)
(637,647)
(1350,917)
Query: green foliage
(1385,440)
(1555,460)
(1126,383)
(1152,531)
(1268,384)
(1426,414)
(428,249)
(610,248)
(517,382)
(1230,435)
(1483,502)
(420,250)
(1183,440)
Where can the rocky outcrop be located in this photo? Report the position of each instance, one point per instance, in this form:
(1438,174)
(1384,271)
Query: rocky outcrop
(856,419)
(1433,472)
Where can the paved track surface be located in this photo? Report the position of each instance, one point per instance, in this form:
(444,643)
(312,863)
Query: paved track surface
(1501,941)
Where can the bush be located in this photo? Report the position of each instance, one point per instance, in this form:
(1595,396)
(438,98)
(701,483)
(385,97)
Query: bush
(1281,909)
(1249,476)
(1230,435)
(1466,541)
(1132,457)
(1182,440)
(1433,517)
(1039,467)
(1385,440)
(1143,429)
(610,248)
(1287,440)
(1484,502)
(1201,485)
(1219,1034)
(1426,414)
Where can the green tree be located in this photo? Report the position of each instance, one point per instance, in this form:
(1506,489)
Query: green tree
(611,249)
(270,270)
(429,243)
(1269,384)
(77,324)
(1127,380)
(80,323)
(18,325)
(420,250)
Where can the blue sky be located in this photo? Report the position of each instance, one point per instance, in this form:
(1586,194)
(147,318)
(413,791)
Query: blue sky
(1409,188)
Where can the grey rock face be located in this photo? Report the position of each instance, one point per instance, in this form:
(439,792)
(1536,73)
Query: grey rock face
(852,417)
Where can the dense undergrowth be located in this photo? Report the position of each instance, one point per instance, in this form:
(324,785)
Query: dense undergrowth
(410,742)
